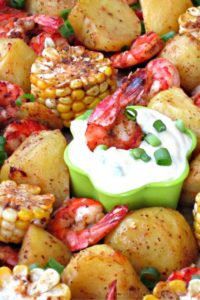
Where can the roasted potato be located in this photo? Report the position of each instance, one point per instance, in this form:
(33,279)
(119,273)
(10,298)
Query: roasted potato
(39,246)
(177,105)
(155,237)
(52,8)
(183,52)
(16,59)
(91,271)
(105,25)
(161,16)
(39,160)
(191,185)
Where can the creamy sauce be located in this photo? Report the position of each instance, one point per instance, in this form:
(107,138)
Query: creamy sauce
(116,171)
(193,291)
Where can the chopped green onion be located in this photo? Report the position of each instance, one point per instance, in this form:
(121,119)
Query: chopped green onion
(162,157)
(196,2)
(17,3)
(66,30)
(65,13)
(34,266)
(101,147)
(2,140)
(152,140)
(18,102)
(131,113)
(150,276)
(195,277)
(145,157)
(54,264)
(159,126)
(30,97)
(165,37)
(137,152)
(143,30)
(136,6)
(180,126)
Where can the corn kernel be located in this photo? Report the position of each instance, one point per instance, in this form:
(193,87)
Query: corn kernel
(88,99)
(40,213)
(94,103)
(66,100)
(93,91)
(7,225)
(1,211)
(25,214)
(20,270)
(41,84)
(33,79)
(104,95)
(66,123)
(77,95)
(100,77)
(50,93)
(19,233)
(76,84)
(61,108)
(68,116)
(177,286)
(197,227)
(197,217)
(5,275)
(61,290)
(63,92)
(21,224)
(50,103)
(5,235)
(103,87)
(162,285)
(150,297)
(92,80)
(9,214)
(41,100)
(106,70)
(78,106)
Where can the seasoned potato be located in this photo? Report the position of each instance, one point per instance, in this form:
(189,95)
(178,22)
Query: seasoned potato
(183,52)
(105,25)
(39,246)
(191,185)
(16,59)
(53,7)
(155,237)
(91,271)
(161,16)
(39,160)
(177,105)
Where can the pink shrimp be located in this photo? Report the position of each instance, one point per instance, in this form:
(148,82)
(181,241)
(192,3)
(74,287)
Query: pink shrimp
(8,256)
(143,48)
(70,223)
(16,132)
(112,291)
(196,96)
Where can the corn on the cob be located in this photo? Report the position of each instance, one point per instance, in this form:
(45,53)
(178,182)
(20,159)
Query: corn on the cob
(71,81)
(21,205)
(38,284)
(189,22)
(196,214)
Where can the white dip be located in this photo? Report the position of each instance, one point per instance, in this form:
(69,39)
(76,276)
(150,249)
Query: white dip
(116,171)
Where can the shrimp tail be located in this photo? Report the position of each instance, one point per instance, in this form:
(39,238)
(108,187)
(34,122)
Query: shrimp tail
(112,291)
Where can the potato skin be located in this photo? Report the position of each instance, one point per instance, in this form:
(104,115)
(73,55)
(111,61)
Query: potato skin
(155,237)
(104,25)
(183,51)
(175,104)
(48,246)
(16,59)
(52,7)
(39,160)
(90,272)
(161,16)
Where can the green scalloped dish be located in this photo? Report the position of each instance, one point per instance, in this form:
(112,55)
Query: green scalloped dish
(164,194)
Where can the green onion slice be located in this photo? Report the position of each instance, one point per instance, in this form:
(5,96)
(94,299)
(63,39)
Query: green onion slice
(54,264)
(17,3)
(143,30)
(18,102)
(195,277)
(165,37)
(150,276)
(145,157)
(66,30)
(30,97)
(101,147)
(137,152)
(34,266)
(130,113)
(65,13)
(136,6)
(152,140)
(162,157)
(2,140)
(180,126)
(159,126)
(196,2)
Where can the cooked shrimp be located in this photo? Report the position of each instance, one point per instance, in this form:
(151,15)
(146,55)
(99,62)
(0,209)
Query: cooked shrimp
(112,291)
(8,256)
(9,93)
(143,48)
(80,223)
(16,132)
(196,96)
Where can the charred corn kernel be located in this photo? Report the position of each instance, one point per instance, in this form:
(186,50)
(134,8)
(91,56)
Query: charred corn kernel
(63,92)
(50,93)
(20,270)
(78,106)
(22,224)
(50,103)
(7,225)
(68,116)
(50,53)
(77,95)
(100,77)
(94,103)
(25,215)
(76,84)
(41,100)
(41,84)
(104,95)
(150,297)
(9,214)
(93,91)
(178,286)
(61,108)
(189,22)
(66,100)
(88,99)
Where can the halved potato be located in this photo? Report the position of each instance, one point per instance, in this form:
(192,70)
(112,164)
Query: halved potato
(16,59)
(161,16)
(53,7)
(91,271)
(105,25)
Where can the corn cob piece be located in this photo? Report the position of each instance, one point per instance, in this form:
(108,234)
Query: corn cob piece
(196,215)
(37,284)
(71,81)
(21,205)
(189,22)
